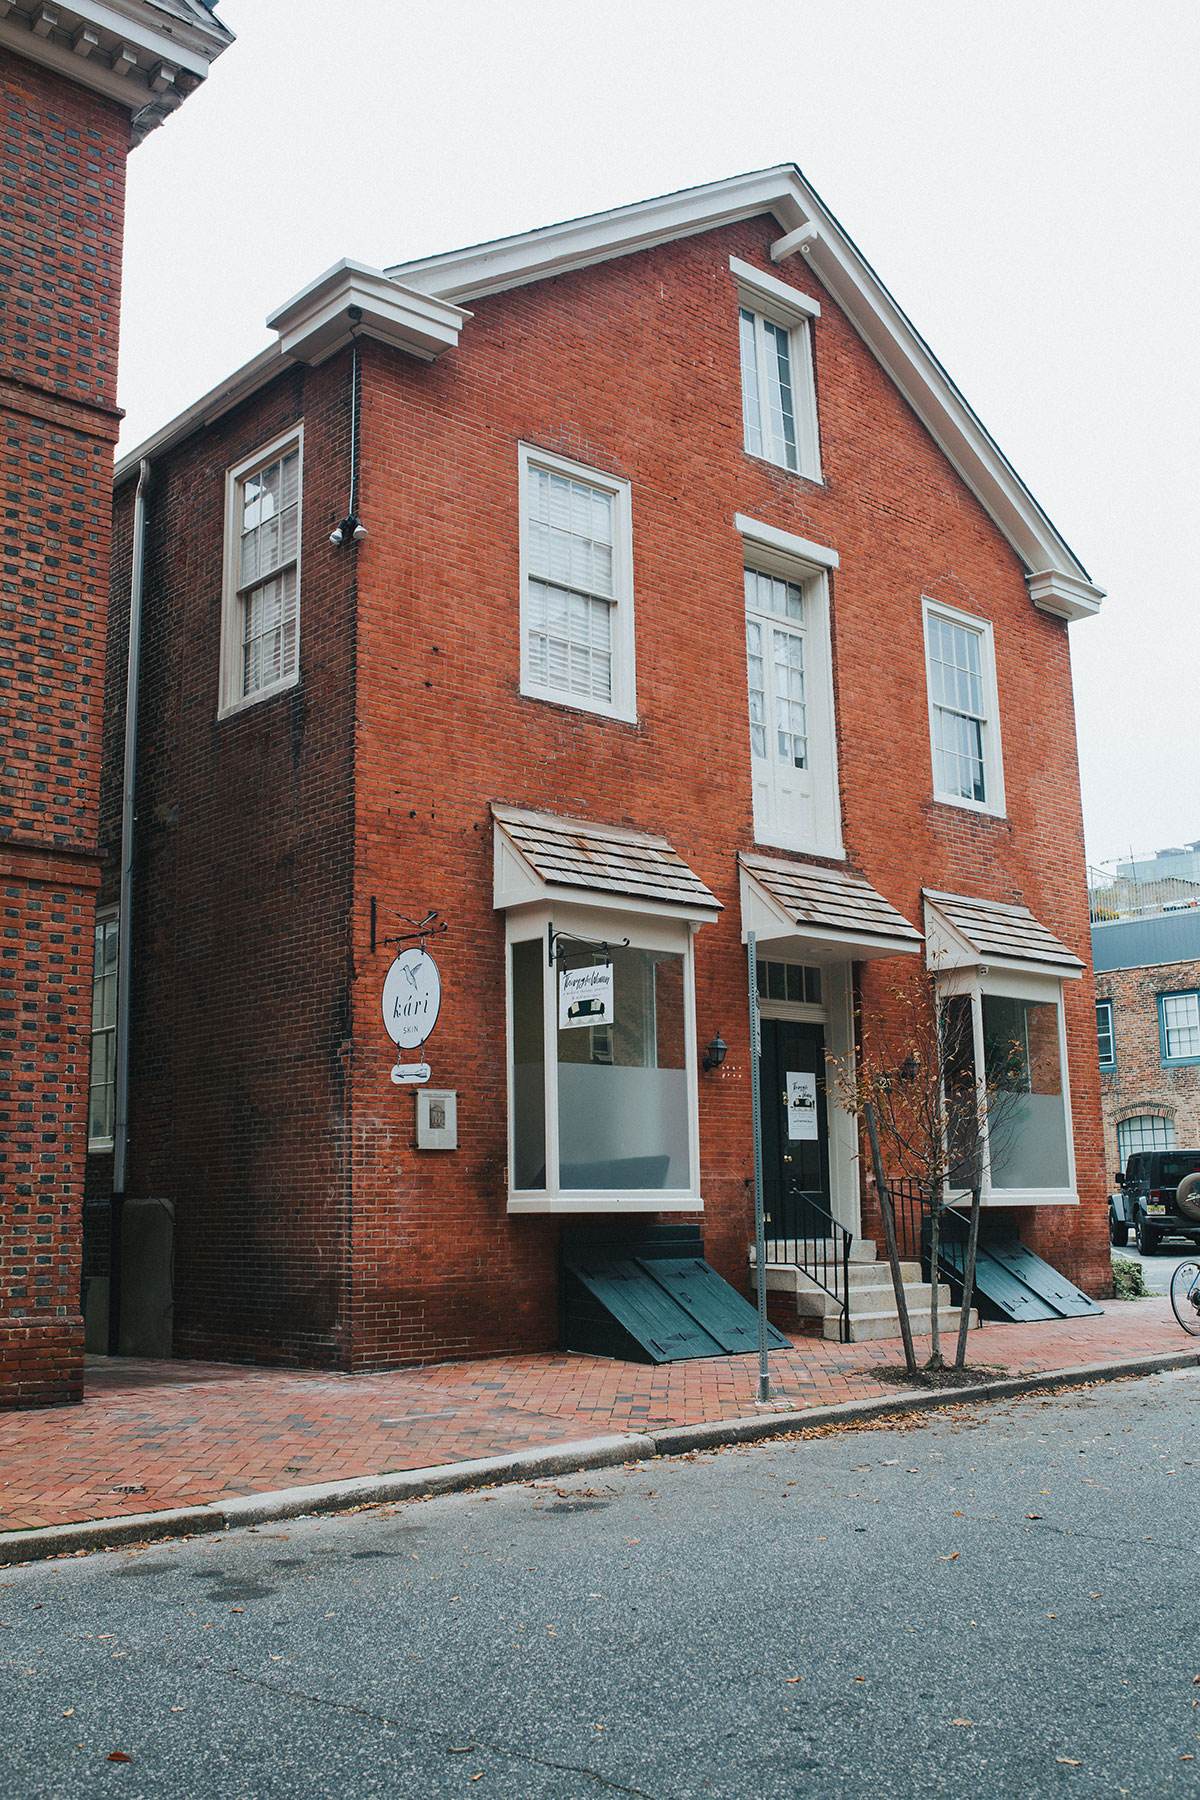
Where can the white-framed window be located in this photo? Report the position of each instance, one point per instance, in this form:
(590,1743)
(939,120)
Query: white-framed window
(1005,1039)
(779,401)
(260,616)
(964,722)
(1146,1132)
(789,681)
(602,1117)
(1106,1043)
(1179,1027)
(577,636)
(102,1079)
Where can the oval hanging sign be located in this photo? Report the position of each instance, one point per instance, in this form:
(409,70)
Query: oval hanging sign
(412,999)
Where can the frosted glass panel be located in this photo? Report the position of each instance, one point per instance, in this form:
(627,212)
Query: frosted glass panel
(1027,1126)
(622,1088)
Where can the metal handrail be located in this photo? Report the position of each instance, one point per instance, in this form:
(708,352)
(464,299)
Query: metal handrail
(912,1209)
(791,1238)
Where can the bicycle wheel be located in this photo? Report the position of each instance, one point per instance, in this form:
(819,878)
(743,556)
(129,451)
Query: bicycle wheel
(1185,1296)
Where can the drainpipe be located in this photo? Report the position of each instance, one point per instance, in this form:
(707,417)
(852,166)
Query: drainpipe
(125,915)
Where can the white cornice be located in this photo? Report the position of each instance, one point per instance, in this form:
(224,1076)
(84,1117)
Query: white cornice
(352,298)
(147,55)
(312,325)
(871,309)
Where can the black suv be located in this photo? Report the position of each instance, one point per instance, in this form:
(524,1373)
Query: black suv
(1147,1204)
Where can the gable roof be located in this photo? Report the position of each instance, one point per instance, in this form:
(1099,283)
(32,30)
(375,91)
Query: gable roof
(578,859)
(992,932)
(828,912)
(1058,581)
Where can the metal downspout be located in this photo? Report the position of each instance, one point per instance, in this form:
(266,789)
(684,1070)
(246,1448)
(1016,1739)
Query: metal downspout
(125,915)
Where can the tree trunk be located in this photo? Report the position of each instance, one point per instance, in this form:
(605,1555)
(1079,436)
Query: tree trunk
(889,1238)
(936,1359)
(968,1279)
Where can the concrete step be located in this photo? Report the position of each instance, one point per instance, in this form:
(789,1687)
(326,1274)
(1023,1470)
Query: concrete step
(866,1326)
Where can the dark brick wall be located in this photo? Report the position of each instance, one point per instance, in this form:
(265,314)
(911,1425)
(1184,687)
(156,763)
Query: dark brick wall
(407,732)
(62,173)
(240,1032)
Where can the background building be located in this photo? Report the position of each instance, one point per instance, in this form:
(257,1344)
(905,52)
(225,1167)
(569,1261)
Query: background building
(81,83)
(1148,1023)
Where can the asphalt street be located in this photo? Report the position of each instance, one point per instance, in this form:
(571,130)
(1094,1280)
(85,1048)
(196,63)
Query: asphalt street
(999,1601)
(1157,1270)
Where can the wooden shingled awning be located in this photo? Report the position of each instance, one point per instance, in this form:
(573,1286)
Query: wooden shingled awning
(540,855)
(964,932)
(798,908)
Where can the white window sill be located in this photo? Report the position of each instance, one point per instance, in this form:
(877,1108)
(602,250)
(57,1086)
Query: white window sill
(964,805)
(99,1146)
(605,1203)
(576,703)
(1018,1197)
(266,693)
(834,851)
(817,479)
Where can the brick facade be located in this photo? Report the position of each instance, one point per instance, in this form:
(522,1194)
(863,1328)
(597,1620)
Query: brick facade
(75,92)
(309,1226)
(62,221)
(1139,1085)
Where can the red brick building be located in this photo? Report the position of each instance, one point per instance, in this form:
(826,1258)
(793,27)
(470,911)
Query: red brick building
(694,601)
(80,84)
(1148,1030)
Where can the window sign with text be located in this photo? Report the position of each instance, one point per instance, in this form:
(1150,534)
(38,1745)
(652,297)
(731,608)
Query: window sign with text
(585,996)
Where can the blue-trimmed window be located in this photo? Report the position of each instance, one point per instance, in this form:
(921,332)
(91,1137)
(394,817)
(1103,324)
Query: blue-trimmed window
(1106,1043)
(1179,1027)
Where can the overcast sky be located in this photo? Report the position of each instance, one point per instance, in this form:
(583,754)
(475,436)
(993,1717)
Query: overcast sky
(1023,176)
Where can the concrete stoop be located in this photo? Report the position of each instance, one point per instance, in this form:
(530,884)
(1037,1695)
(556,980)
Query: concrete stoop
(873,1311)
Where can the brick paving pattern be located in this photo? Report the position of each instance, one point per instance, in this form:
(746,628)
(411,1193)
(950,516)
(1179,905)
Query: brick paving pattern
(151,1435)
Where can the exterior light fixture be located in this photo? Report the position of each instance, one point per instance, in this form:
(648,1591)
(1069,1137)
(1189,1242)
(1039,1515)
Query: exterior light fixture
(350,531)
(715,1055)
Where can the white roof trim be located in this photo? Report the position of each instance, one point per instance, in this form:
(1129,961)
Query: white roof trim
(146,57)
(316,321)
(884,328)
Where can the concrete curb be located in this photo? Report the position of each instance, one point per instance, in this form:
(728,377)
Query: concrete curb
(531,1465)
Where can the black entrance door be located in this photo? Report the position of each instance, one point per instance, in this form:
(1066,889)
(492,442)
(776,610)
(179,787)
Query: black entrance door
(795,1128)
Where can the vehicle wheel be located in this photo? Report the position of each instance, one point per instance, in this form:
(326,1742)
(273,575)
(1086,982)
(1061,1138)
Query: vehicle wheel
(1187,1196)
(1185,1296)
(1118,1235)
(1147,1240)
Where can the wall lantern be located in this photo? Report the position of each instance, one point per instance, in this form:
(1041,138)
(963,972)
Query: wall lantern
(715,1055)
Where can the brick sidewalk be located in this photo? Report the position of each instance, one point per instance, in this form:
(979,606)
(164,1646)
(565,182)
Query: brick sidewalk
(151,1435)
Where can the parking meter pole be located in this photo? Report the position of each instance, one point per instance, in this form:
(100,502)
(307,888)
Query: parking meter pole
(760,1223)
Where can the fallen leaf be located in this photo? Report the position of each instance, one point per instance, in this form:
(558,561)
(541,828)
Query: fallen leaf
(458,1749)
(118,1756)
(792,1679)
(69,1712)
(1052,1615)
(1033,1515)
(962,1721)
(1190,1756)
(1072,1762)
(860,1678)
(949,1558)
(237,1609)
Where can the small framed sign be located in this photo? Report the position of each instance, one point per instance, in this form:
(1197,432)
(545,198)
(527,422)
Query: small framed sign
(585,996)
(801,1105)
(412,999)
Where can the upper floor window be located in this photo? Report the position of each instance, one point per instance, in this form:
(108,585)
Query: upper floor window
(577,642)
(1105,1041)
(964,728)
(102,1083)
(1179,1027)
(779,410)
(789,678)
(260,626)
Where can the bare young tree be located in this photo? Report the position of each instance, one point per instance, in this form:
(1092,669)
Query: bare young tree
(927,1110)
